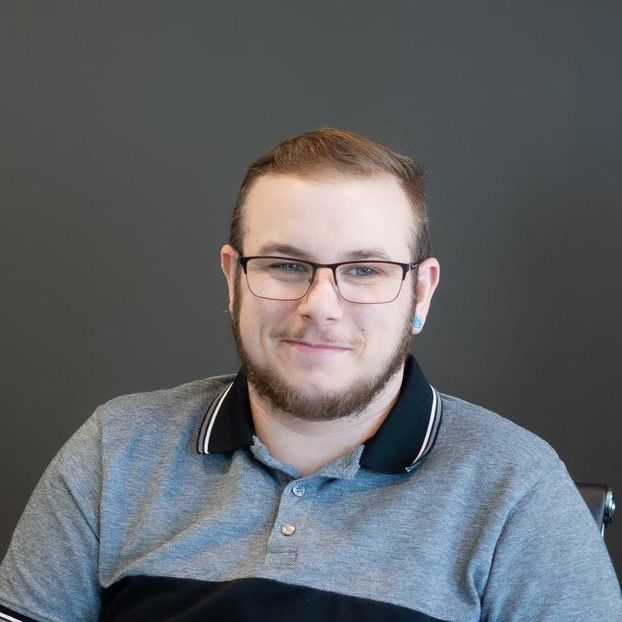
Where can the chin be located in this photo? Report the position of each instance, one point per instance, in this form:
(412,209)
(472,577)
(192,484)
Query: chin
(311,389)
(320,396)
(313,378)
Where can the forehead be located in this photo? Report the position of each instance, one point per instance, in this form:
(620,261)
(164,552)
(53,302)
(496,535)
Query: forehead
(328,218)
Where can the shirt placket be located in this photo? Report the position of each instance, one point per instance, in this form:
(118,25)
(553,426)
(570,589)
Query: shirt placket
(289,528)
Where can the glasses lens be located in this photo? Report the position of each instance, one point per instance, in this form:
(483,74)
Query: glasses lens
(289,279)
(279,279)
(370,282)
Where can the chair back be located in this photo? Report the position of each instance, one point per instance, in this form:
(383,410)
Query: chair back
(601,502)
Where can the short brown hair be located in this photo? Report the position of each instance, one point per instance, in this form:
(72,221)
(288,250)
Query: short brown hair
(331,151)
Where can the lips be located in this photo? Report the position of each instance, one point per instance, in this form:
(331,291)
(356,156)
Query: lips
(318,346)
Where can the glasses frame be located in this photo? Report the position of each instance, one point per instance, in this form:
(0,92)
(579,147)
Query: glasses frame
(406,267)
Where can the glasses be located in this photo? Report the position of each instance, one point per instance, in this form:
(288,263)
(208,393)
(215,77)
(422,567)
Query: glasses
(364,282)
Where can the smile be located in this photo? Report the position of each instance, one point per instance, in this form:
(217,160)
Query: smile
(317,348)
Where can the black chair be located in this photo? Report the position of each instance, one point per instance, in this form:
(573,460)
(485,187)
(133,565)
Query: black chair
(601,501)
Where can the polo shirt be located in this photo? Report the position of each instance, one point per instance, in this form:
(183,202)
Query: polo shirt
(165,506)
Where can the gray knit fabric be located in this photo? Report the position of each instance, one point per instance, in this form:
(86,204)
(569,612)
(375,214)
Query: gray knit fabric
(490,527)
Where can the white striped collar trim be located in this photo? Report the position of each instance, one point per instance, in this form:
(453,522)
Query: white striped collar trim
(432,430)
(210,419)
(4,616)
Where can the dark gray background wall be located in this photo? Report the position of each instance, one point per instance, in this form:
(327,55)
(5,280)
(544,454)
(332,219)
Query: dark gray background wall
(124,132)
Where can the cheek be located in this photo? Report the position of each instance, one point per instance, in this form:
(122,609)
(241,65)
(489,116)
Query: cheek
(388,329)
(385,322)
(260,318)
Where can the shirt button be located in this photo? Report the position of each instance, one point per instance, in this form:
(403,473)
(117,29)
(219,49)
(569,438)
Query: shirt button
(298,489)
(288,530)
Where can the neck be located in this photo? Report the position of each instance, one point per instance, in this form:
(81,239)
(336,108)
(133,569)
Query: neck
(308,445)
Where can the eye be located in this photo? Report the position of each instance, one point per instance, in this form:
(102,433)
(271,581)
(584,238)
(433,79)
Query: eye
(363,270)
(286,268)
(289,266)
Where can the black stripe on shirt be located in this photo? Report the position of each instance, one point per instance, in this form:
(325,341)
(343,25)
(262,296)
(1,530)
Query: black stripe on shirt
(162,599)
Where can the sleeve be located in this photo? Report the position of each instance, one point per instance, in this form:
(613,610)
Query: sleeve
(50,572)
(550,562)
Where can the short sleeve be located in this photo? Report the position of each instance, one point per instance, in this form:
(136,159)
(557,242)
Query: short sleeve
(550,563)
(50,572)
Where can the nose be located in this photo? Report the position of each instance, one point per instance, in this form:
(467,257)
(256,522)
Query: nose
(323,301)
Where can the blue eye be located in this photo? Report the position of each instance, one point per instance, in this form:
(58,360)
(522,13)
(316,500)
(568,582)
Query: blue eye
(290,267)
(363,271)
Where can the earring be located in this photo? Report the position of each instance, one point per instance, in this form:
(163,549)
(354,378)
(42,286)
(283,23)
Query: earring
(417,323)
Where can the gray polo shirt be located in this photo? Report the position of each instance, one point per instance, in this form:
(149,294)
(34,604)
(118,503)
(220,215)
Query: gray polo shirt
(165,506)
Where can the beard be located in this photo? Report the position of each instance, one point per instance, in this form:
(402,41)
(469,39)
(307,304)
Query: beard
(272,388)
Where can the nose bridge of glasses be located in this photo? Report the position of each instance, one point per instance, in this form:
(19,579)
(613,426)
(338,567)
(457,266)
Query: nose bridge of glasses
(330,273)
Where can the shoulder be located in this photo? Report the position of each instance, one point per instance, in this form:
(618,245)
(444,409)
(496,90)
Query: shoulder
(476,431)
(175,402)
(490,462)
(146,420)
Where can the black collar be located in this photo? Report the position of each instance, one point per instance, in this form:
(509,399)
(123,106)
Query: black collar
(401,443)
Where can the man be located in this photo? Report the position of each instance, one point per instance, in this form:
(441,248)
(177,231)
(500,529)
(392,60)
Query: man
(331,482)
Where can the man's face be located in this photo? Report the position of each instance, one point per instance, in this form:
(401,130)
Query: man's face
(322,357)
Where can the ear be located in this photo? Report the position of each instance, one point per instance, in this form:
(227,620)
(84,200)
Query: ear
(229,264)
(428,275)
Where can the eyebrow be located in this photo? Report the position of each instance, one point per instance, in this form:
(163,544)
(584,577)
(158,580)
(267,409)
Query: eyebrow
(287,250)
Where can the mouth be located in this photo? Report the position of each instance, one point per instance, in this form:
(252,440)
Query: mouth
(317,348)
